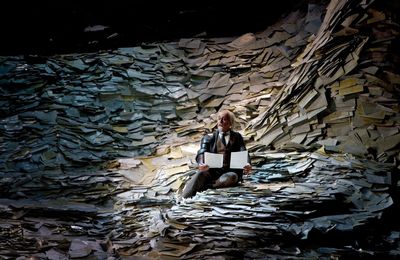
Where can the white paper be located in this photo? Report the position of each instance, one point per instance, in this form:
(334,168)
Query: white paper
(213,160)
(239,159)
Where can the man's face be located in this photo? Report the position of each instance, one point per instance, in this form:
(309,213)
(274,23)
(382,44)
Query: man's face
(224,124)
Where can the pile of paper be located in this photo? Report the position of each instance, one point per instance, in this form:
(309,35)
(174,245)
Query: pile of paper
(95,148)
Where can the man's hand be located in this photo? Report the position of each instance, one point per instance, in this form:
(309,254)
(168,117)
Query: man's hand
(203,167)
(247,169)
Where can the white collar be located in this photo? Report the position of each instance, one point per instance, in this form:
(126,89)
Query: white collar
(226,133)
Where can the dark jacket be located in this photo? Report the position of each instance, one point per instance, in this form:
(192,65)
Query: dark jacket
(209,144)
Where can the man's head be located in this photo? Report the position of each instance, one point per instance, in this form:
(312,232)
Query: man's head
(226,120)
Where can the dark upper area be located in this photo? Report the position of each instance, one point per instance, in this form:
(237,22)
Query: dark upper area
(51,27)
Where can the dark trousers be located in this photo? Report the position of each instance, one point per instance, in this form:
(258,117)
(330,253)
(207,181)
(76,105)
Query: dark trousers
(201,181)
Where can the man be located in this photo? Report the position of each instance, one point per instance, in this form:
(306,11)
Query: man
(222,141)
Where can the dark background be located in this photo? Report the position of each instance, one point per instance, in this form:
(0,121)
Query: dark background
(57,26)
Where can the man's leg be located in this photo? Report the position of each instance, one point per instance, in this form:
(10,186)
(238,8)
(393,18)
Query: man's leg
(197,183)
(227,179)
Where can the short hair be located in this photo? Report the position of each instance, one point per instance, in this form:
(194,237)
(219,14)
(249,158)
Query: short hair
(231,116)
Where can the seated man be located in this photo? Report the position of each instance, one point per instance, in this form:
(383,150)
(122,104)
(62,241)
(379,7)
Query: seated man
(222,141)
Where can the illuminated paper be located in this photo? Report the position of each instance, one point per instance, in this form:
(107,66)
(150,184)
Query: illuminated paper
(213,160)
(239,159)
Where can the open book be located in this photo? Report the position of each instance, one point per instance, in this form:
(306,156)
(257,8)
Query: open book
(215,160)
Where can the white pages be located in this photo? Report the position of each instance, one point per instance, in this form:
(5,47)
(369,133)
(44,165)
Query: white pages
(215,160)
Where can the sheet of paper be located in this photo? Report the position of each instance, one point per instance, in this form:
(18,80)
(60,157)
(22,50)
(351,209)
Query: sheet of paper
(239,159)
(213,160)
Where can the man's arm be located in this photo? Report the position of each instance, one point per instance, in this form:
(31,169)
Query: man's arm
(242,147)
(204,147)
